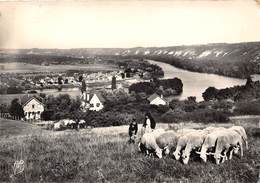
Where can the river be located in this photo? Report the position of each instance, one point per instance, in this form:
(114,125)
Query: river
(194,83)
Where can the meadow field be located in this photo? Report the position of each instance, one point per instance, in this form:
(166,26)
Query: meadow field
(16,67)
(104,155)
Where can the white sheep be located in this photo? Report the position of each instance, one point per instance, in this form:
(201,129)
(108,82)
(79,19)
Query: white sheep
(227,140)
(167,140)
(194,142)
(182,141)
(242,133)
(148,143)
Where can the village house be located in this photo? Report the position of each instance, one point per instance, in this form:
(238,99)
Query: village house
(155,99)
(33,108)
(92,102)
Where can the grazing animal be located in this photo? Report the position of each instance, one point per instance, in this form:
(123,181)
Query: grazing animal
(194,142)
(148,144)
(209,144)
(73,124)
(66,122)
(156,132)
(82,123)
(242,133)
(227,141)
(58,126)
(167,141)
(182,141)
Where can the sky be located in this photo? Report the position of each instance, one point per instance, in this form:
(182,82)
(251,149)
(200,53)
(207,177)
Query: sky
(121,23)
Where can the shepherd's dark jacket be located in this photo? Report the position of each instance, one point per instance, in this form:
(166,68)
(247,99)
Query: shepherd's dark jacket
(133,128)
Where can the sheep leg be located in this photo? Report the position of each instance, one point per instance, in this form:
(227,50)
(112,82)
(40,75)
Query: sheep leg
(231,153)
(241,149)
(246,144)
(147,152)
(224,156)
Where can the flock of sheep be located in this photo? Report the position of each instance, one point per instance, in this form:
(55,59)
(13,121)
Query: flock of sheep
(68,124)
(220,142)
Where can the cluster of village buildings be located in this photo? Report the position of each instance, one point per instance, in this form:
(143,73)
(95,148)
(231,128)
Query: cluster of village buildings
(92,101)
(74,80)
(61,78)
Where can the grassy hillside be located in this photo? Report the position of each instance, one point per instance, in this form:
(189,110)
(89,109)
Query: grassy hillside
(11,128)
(103,155)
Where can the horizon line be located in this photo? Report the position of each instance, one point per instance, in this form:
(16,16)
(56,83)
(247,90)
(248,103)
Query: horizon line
(202,44)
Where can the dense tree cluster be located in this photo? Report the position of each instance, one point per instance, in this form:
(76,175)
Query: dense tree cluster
(190,110)
(11,90)
(16,109)
(165,86)
(248,107)
(113,83)
(237,93)
(142,68)
(60,107)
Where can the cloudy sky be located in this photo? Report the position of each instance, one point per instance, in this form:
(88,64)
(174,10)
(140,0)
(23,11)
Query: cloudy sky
(118,23)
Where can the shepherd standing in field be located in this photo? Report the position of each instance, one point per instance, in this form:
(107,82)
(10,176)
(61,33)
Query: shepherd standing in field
(132,131)
(149,124)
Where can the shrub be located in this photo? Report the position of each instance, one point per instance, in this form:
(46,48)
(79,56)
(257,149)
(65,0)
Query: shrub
(248,108)
(14,90)
(173,116)
(198,115)
(174,86)
(32,91)
(162,108)
(105,119)
(190,105)
(210,93)
(47,115)
(16,109)
(3,90)
(207,116)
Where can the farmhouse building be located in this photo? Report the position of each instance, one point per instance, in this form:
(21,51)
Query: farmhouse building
(33,107)
(155,99)
(92,102)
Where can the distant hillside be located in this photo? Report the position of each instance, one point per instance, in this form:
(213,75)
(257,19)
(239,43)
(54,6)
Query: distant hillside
(235,60)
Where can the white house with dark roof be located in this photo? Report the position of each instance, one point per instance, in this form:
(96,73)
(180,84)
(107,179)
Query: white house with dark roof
(32,107)
(92,102)
(155,99)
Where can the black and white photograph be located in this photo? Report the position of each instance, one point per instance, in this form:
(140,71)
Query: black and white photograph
(138,91)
